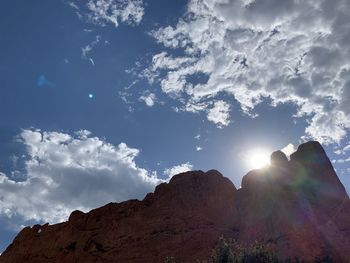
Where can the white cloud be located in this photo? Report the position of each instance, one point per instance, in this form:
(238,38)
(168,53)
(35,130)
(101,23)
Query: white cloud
(338,151)
(341,149)
(341,160)
(199,148)
(346,148)
(65,172)
(85,51)
(220,114)
(289,51)
(73,5)
(181,168)
(149,99)
(103,12)
(289,149)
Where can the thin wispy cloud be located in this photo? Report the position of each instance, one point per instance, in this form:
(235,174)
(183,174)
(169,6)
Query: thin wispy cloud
(44,82)
(105,12)
(85,51)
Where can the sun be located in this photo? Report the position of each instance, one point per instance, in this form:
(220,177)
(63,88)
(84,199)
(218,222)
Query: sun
(258,158)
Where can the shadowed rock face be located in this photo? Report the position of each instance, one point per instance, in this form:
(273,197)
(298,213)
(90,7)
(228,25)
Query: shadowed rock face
(299,207)
(278,158)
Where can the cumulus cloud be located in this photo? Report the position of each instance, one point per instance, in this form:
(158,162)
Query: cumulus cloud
(149,99)
(104,12)
(289,149)
(220,114)
(181,168)
(66,172)
(280,51)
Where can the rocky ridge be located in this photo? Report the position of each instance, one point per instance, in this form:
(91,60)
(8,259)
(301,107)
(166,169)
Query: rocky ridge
(298,207)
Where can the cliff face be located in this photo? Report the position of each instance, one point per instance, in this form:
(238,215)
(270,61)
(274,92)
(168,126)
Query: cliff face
(299,207)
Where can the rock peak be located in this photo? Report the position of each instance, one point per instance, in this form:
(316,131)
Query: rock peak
(278,158)
(311,151)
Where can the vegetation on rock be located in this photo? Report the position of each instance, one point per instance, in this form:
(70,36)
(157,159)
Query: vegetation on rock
(231,251)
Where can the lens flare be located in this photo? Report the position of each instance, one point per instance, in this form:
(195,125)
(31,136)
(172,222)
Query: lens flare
(258,158)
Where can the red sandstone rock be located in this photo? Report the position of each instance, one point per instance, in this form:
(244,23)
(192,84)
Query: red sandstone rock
(298,207)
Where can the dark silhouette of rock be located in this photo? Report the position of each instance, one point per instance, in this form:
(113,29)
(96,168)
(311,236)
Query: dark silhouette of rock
(278,158)
(298,207)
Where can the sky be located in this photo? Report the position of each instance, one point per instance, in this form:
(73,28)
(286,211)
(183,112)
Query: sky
(101,100)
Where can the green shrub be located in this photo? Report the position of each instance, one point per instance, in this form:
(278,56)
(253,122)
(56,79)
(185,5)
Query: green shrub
(170,260)
(223,252)
(232,252)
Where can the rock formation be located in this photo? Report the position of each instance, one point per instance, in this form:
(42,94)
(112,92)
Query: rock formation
(299,207)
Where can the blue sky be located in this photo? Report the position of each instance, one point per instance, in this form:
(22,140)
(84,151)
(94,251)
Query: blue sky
(103,99)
